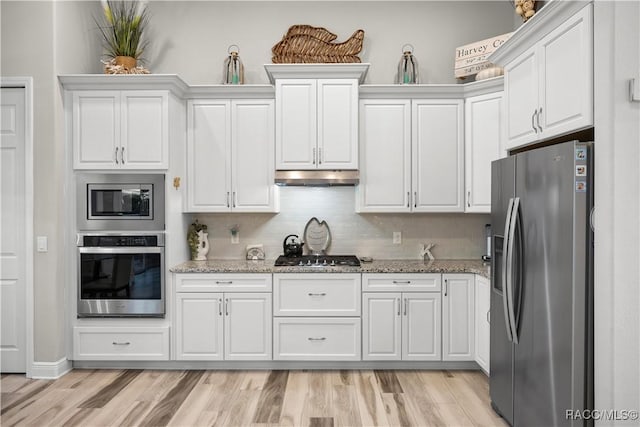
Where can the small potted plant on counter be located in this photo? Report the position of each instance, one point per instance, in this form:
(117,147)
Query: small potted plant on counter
(198,240)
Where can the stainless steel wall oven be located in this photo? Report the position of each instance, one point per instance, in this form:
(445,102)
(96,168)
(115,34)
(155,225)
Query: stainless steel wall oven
(121,275)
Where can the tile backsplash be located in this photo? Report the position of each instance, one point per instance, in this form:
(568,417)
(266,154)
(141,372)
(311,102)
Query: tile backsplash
(456,236)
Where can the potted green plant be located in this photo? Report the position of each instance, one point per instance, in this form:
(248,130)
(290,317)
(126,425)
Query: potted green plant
(122,28)
(198,242)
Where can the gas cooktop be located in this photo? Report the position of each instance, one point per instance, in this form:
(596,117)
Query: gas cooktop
(318,261)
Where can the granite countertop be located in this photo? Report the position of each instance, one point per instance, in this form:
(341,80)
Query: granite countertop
(377,266)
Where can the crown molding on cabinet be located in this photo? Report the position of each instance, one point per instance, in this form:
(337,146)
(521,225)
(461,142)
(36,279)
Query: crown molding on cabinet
(317,71)
(550,16)
(431,91)
(169,82)
(231,91)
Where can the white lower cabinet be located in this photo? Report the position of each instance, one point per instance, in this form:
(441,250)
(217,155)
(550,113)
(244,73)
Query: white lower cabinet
(483,322)
(120,343)
(458,317)
(222,324)
(401,326)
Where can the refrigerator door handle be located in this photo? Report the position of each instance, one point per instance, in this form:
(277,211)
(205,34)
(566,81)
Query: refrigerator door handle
(514,224)
(506,270)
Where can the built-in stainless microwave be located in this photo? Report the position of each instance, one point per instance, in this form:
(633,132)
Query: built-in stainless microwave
(120,202)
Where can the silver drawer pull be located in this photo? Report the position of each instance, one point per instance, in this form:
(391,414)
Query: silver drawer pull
(224,282)
(321,294)
(121,343)
(317,339)
(402,282)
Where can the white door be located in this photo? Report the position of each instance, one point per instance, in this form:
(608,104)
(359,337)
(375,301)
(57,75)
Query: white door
(145,130)
(296,124)
(381,326)
(458,317)
(208,156)
(483,130)
(199,326)
(96,129)
(521,99)
(385,156)
(483,329)
(438,156)
(252,153)
(337,124)
(12,227)
(421,339)
(247,326)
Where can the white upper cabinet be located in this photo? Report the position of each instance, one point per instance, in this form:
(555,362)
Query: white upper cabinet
(438,156)
(120,129)
(385,156)
(483,144)
(549,86)
(316,124)
(230,145)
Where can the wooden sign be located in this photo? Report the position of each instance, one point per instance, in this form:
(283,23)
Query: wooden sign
(472,58)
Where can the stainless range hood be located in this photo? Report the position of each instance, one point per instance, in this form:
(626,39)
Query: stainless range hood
(317,177)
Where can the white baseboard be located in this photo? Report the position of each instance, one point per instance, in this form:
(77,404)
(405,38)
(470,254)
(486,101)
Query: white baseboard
(50,370)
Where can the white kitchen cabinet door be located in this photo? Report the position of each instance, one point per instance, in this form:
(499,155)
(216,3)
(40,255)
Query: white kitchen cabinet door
(145,130)
(482,324)
(566,76)
(253,156)
(247,326)
(385,156)
(337,124)
(208,156)
(381,326)
(483,131)
(521,99)
(421,339)
(438,156)
(96,129)
(199,326)
(458,317)
(296,124)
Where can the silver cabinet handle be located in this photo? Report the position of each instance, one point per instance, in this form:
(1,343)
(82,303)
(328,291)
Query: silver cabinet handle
(228,199)
(122,156)
(405,306)
(446,287)
(469,198)
(226,306)
(538,119)
(117,148)
(234,198)
(224,282)
(220,307)
(399,306)
(314,156)
(488,317)
(402,282)
(121,343)
(321,294)
(415,199)
(533,125)
(319,155)
(408,199)
(317,339)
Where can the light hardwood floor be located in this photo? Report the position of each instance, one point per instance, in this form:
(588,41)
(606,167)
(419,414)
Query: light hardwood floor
(243,398)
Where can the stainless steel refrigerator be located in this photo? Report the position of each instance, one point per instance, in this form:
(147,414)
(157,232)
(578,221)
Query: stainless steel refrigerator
(542,285)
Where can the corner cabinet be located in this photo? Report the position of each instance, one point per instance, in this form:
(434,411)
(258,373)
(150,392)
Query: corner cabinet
(412,155)
(316,124)
(230,146)
(120,129)
(549,86)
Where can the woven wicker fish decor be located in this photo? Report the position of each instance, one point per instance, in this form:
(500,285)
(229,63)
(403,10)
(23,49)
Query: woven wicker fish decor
(314,45)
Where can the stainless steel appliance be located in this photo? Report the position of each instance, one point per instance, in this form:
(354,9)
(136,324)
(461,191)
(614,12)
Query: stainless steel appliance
(121,275)
(542,285)
(318,261)
(120,202)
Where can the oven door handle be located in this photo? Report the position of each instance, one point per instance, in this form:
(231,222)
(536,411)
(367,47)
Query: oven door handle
(122,250)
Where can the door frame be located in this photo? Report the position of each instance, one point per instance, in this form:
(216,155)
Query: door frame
(27,84)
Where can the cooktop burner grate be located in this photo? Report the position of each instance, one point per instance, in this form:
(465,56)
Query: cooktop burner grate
(318,261)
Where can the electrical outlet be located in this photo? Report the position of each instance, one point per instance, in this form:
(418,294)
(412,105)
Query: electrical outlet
(235,238)
(397,237)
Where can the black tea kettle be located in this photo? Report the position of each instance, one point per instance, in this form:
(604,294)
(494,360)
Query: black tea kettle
(293,248)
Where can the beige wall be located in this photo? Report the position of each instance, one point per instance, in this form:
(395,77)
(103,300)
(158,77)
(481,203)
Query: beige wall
(44,38)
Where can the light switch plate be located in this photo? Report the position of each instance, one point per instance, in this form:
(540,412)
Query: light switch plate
(397,237)
(42,245)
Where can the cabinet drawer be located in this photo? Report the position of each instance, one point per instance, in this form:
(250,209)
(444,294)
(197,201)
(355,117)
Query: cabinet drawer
(317,295)
(401,282)
(140,343)
(231,282)
(316,338)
